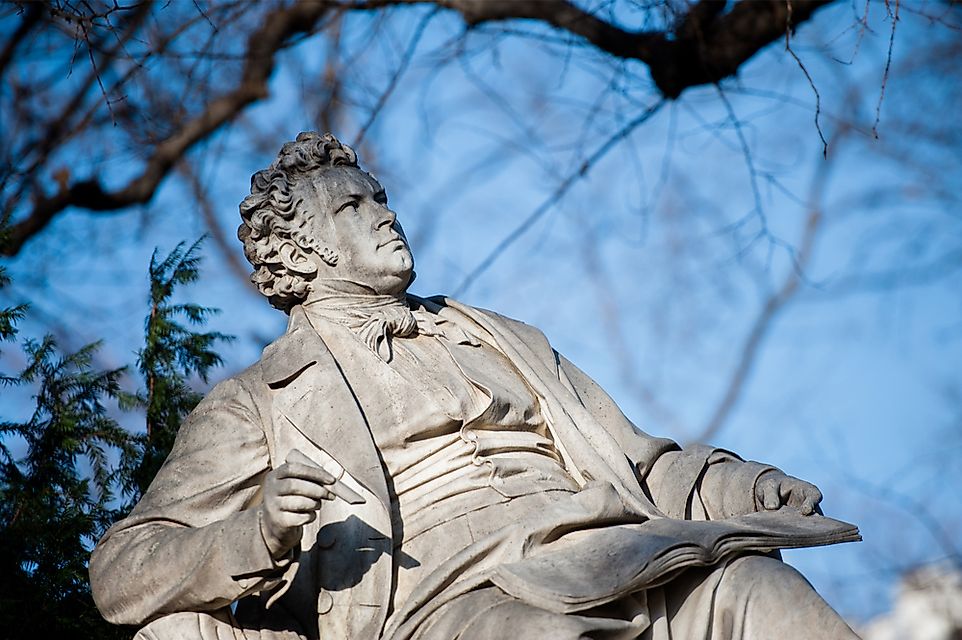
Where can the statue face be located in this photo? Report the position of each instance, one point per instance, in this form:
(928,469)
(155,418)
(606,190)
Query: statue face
(357,223)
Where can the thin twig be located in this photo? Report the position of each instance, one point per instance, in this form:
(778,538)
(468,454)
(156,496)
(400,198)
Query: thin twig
(888,65)
(818,97)
(263,46)
(944,536)
(772,307)
(401,68)
(191,173)
(552,199)
(32,13)
(747,154)
(618,345)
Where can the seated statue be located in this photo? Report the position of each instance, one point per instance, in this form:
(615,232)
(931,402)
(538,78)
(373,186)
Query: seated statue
(406,468)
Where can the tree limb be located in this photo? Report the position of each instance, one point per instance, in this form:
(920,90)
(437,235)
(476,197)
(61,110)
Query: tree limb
(773,306)
(262,47)
(708,44)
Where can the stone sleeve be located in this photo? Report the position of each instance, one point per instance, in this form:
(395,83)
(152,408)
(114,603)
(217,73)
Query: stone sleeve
(194,541)
(697,482)
(640,448)
(728,487)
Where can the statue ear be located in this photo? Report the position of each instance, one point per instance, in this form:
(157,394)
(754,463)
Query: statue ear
(307,243)
(328,255)
(294,258)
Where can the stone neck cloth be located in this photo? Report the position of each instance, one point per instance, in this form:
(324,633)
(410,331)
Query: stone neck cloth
(376,318)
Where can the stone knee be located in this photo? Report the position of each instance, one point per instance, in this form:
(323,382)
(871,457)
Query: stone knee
(200,626)
(761,577)
(762,597)
(516,619)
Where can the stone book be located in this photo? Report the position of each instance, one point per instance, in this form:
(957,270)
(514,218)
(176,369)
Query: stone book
(587,568)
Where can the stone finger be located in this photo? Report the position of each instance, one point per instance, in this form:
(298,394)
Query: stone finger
(770,497)
(298,504)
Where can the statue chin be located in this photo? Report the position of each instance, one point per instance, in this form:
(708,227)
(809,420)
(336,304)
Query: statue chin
(397,283)
(397,279)
(412,276)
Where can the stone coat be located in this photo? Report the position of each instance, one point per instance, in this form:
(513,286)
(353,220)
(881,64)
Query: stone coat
(193,543)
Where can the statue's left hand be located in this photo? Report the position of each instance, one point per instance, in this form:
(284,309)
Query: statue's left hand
(774,490)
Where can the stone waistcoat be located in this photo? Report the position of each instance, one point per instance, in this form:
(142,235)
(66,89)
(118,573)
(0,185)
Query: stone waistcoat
(456,425)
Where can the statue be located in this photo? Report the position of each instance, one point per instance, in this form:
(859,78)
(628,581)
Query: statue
(417,469)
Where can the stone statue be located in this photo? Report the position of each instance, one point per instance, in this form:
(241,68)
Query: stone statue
(404,468)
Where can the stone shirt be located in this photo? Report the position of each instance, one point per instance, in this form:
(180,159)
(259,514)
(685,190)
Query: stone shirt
(466,430)
(489,443)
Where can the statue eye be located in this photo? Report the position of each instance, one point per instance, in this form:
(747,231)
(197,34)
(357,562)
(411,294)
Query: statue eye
(353,204)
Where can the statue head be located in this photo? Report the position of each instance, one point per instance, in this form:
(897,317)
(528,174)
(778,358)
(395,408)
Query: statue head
(314,213)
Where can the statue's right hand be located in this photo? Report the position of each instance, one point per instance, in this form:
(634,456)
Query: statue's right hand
(293,493)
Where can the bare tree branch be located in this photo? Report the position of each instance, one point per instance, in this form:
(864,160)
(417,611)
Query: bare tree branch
(31,18)
(190,171)
(262,47)
(558,193)
(708,44)
(392,84)
(72,118)
(775,303)
(619,346)
(919,509)
(710,41)
(888,64)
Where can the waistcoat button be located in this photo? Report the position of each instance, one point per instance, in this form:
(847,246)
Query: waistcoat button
(325,602)
(326,538)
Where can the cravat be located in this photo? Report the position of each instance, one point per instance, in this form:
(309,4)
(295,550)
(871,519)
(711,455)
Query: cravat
(376,319)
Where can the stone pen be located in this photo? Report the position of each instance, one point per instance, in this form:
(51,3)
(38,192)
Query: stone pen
(336,487)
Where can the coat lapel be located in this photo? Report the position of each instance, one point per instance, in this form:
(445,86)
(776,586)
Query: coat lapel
(313,398)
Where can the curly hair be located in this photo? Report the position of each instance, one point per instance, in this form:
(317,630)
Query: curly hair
(272,217)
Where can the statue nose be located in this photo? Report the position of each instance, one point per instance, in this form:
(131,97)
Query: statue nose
(389,217)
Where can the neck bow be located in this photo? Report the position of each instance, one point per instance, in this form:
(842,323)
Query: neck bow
(377,319)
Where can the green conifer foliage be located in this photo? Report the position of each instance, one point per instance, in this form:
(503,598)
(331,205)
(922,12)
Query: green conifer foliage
(9,317)
(65,470)
(174,352)
(54,499)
